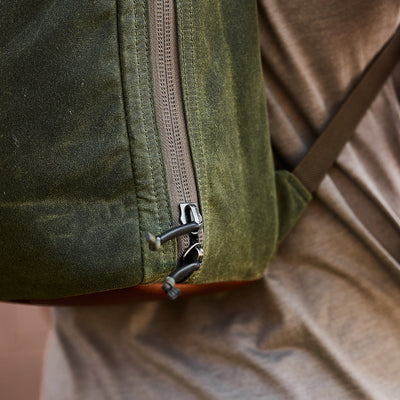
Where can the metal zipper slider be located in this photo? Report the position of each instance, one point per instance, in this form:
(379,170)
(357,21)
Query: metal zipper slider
(192,260)
(191,223)
(190,212)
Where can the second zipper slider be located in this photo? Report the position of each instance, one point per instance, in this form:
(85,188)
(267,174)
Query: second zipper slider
(192,260)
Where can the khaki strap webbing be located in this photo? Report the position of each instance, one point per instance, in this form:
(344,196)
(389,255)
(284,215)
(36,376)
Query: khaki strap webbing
(320,158)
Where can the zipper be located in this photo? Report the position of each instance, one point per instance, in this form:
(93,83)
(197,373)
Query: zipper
(175,147)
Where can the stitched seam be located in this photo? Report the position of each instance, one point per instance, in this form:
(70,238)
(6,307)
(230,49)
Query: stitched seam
(161,189)
(140,98)
(202,179)
(125,109)
(150,85)
(195,98)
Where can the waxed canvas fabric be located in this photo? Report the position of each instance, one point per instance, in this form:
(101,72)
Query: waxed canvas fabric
(67,204)
(69,218)
(228,129)
(82,173)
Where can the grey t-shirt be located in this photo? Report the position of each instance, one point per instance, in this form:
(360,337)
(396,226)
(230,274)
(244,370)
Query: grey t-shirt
(324,322)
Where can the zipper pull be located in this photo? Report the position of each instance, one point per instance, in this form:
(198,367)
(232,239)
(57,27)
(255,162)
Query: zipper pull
(155,242)
(192,260)
(191,223)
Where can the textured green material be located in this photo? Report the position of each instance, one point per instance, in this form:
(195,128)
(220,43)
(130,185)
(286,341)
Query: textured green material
(82,175)
(227,123)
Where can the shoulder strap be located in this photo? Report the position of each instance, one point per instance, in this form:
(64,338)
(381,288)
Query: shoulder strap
(319,159)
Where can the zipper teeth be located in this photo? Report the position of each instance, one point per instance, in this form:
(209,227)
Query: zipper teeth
(169,106)
(173,129)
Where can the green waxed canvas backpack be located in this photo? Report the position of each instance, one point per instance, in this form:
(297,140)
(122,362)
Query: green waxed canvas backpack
(134,150)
